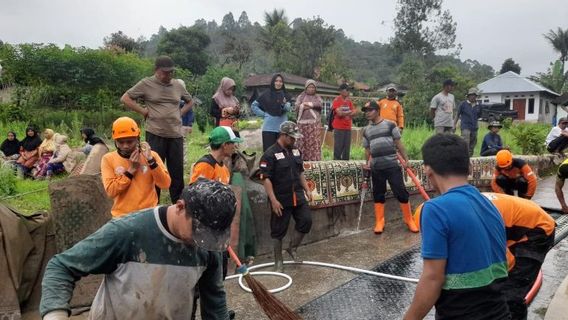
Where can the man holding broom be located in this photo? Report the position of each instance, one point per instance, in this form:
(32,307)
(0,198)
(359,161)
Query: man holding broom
(381,140)
(152,261)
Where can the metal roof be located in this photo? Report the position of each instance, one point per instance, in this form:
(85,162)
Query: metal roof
(510,82)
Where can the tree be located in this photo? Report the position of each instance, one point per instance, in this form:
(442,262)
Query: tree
(186,46)
(422,27)
(120,40)
(228,25)
(553,79)
(559,41)
(244,21)
(311,39)
(271,19)
(510,65)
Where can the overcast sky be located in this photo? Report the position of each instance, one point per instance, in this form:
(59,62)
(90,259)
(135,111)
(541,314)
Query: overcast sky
(489,30)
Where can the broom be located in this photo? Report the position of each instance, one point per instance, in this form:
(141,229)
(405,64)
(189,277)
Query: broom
(272,307)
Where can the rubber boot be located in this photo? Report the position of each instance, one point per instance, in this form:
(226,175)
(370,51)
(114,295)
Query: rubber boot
(294,244)
(379,218)
(278,260)
(407,217)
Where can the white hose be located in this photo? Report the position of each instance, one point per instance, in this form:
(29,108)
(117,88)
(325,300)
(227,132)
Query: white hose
(311,263)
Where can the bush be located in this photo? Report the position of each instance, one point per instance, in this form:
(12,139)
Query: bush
(530,137)
(7,181)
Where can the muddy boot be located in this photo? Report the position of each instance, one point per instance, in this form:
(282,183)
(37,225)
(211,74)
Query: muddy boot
(294,244)
(407,217)
(379,218)
(278,260)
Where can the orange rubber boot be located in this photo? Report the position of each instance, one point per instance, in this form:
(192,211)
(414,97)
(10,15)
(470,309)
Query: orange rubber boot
(379,218)
(407,217)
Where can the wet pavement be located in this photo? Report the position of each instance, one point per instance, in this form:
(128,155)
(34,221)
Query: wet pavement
(321,293)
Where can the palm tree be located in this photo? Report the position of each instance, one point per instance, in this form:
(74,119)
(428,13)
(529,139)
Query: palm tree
(559,41)
(273,18)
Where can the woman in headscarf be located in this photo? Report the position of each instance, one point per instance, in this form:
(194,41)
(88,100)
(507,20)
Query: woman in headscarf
(28,151)
(10,148)
(45,152)
(61,161)
(308,106)
(90,139)
(272,105)
(224,105)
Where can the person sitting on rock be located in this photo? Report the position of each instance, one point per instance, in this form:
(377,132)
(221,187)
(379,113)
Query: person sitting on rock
(492,142)
(513,174)
(132,172)
(62,160)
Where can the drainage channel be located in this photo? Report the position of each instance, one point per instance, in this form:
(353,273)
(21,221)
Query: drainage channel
(367,297)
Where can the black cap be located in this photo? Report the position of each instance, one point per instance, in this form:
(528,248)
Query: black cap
(212,206)
(344,86)
(165,63)
(372,105)
(449,82)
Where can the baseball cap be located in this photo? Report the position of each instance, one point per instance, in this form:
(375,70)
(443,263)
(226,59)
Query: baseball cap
(164,63)
(223,134)
(291,129)
(344,86)
(391,88)
(449,82)
(212,207)
(372,105)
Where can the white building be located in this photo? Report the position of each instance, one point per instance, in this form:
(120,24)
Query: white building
(531,100)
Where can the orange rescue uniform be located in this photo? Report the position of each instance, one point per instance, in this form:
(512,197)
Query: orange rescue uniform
(392,110)
(207,167)
(519,168)
(138,192)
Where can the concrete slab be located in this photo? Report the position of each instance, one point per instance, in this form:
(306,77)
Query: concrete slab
(558,309)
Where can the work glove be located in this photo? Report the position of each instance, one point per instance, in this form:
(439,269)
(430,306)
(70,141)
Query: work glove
(56,315)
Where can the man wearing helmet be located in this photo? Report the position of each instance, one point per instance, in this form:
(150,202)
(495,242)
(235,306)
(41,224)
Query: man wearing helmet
(132,172)
(513,174)
(153,261)
(161,95)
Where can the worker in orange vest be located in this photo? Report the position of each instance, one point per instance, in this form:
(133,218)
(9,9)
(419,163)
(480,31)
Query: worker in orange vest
(391,109)
(513,174)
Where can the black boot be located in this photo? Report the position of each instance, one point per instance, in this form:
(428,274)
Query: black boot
(294,244)
(278,260)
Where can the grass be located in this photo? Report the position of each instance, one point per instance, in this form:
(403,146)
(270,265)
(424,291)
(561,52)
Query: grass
(27,201)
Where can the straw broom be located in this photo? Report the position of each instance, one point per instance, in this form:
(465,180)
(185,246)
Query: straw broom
(272,307)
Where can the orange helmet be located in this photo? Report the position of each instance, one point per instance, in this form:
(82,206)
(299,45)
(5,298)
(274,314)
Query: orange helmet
(125,127)
(504,158)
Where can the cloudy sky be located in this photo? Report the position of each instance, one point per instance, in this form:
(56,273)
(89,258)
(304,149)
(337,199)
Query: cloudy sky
(489,30)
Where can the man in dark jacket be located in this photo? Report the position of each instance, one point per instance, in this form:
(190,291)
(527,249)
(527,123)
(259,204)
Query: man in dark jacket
(492,142)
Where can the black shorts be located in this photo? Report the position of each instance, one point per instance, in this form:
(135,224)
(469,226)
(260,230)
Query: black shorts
(302,216)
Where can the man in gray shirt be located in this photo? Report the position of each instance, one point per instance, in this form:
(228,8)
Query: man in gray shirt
(381,140)
(442,108)
(161,95)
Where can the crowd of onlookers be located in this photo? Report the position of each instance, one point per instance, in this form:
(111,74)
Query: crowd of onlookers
(42,156)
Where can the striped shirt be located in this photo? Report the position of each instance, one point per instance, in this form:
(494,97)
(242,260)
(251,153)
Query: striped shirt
(380,138)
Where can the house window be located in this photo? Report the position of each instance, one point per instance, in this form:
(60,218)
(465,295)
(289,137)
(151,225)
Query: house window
(486,101)
(508,103)
(531,106)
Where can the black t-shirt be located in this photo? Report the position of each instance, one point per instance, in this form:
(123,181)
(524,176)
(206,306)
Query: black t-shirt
(283,167)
